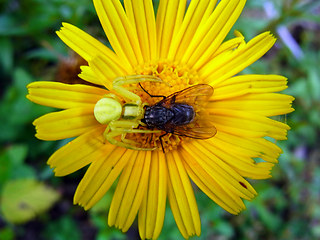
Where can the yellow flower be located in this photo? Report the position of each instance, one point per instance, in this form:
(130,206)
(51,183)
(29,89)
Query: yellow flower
(183,46)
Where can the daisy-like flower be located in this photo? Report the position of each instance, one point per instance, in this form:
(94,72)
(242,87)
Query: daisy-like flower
(184,46)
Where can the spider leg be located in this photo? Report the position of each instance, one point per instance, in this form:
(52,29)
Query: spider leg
(119,81)
(122,127)
(125,140)
(131,79)
(127,143)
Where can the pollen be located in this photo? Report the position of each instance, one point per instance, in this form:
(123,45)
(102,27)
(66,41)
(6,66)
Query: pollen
(175,77)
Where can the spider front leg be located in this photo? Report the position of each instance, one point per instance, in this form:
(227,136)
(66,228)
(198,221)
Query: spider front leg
(123,118)
(134,98)
(122,127)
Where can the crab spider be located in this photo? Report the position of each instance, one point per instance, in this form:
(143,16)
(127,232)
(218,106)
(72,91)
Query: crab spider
(126,118)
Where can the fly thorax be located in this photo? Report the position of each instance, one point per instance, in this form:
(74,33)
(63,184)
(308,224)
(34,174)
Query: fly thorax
(157,116)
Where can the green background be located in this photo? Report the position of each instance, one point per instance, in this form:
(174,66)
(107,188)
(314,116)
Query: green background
(288,205)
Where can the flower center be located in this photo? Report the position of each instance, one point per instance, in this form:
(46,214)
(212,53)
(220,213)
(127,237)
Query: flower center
(176,77)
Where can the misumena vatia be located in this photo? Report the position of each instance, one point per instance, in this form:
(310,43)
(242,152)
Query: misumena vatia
(123,119)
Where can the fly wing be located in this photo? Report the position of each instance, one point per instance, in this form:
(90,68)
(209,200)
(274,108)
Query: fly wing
(198,130)
(196,96)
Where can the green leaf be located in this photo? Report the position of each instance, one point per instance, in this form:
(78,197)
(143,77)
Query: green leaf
(6,55)
(314,83)
(64,228)
(5,168)
(9,26)
(23,199)
(12,164)
(316,231)
(16,111)
(23,171)
(17,153)
(7,234)
(224,228)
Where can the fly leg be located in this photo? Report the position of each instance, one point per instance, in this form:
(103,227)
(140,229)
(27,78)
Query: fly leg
(160,138)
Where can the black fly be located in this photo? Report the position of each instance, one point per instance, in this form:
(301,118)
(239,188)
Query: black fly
(178,113)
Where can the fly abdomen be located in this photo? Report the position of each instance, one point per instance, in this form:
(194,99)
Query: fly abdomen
(183,114)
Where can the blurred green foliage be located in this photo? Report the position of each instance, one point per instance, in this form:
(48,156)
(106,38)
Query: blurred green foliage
(288,205)
(23,199)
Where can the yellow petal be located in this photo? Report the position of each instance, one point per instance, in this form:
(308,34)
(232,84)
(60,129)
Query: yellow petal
(87,46)
(268,80)
(210,35)
(249,147)
(229,45)
(218,180)
(152,211)
(195,16)
(141,15)
(245,84)
(169,19)
(130,191)
(77,153)
(65,124)
(109,72)
(120,32)
(247,124)
(257,103)
(245,166)
(88,75)
(224,175)
(102,71)
(181,197)
(104,170)
(60,95)
(253,93)
(229,64)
